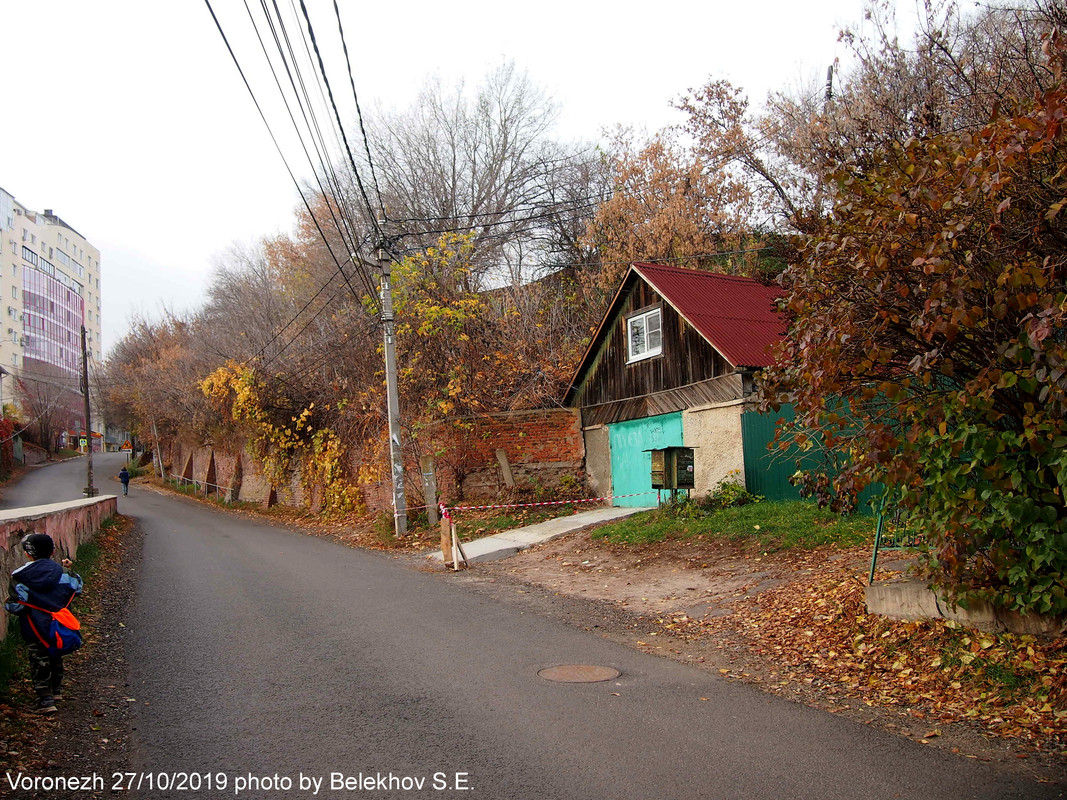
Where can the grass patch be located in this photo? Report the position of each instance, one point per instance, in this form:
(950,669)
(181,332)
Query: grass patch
(135,470)
(191,490)
(774,525)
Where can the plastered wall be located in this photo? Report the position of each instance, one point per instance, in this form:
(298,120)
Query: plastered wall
(69,524)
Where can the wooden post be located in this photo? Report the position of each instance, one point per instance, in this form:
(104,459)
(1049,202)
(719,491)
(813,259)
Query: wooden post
(457,550)
(446,539)
(502,457)
(429,488)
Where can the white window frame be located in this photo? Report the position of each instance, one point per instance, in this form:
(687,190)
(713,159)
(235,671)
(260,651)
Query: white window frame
(643,318)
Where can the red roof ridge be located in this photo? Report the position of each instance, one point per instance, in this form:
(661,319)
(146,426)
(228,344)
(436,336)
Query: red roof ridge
(701,272)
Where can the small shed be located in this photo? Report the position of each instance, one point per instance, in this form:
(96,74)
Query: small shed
(671,364)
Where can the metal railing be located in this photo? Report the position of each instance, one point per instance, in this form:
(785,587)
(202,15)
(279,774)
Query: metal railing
(224,494)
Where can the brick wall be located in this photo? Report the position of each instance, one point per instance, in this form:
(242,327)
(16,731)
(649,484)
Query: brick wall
(541,447)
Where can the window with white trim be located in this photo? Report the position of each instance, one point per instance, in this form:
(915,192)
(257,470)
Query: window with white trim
(644,337)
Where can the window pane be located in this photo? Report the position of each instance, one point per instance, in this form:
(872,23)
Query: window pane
(637,337)
(653,340)
(654,337)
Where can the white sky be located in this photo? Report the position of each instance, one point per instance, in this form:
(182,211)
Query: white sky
(130,121)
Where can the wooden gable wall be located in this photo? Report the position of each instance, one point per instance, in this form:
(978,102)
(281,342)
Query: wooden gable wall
(686,357)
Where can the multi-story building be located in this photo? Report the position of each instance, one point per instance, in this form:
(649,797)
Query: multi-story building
(49,289)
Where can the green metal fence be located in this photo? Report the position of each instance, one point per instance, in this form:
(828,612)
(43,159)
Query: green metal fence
(767,471)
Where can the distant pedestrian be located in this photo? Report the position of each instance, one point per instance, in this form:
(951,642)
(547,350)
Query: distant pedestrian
(35,591)
(124,476)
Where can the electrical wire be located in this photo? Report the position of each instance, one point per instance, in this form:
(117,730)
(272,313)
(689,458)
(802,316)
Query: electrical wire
(340,125)
(312,123)
(277,146)
(359,111)
(312,126)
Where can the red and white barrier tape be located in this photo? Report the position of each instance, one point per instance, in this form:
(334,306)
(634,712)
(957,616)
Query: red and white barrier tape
(445,509)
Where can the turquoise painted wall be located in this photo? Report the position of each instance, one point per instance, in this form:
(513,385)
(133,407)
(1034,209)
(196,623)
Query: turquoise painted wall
(631,467)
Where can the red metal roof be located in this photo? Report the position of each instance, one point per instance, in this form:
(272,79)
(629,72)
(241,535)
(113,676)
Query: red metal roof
(736,315)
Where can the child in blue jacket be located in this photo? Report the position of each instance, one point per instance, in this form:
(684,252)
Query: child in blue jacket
(43,583)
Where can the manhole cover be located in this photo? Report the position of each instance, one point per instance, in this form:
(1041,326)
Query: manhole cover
(578,673)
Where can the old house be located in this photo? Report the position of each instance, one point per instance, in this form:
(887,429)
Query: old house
(671,365)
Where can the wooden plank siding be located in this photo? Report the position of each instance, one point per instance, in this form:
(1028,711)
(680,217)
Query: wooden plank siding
(654,385)
(722,389)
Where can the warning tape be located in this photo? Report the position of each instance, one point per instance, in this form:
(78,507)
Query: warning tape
(445,509)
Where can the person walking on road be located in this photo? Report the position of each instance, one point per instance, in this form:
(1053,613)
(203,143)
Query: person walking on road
(124,476)
(36,590)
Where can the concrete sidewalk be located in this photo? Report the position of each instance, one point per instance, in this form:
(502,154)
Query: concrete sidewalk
(511,542)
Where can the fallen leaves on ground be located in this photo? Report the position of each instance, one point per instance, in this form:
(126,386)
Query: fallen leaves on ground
(817,631)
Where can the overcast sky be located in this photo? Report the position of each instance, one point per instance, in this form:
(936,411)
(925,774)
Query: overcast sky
(130,121)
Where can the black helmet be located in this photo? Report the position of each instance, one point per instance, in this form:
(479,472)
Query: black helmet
(38,545)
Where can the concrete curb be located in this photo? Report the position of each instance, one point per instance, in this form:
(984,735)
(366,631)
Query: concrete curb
(914,599)
(508,543)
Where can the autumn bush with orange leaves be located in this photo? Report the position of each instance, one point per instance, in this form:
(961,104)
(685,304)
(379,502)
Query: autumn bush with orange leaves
(929,342)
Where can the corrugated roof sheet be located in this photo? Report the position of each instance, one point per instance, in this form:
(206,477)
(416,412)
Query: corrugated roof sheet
(736,315)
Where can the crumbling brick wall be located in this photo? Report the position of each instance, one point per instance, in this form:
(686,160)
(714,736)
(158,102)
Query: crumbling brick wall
(541,447)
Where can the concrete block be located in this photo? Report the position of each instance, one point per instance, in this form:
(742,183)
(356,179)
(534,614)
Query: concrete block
(902,600)
(913,599)
(979,614)
(1032,624)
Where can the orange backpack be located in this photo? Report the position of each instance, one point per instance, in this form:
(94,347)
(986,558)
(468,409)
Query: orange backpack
(62,636)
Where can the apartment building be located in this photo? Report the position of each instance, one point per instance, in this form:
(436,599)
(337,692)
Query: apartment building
(49,289)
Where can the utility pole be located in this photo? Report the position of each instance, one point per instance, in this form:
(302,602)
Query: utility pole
(396,456)
(90,490)
(158,454)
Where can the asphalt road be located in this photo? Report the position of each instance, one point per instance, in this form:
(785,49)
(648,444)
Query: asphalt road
(64,480)
(260,655)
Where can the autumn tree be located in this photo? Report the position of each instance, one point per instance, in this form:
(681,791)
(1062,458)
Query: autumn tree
(928,343)
(667,204)
(153,373)
(52,401)
(484,161)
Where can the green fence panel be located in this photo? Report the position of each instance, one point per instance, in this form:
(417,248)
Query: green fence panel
(767,471)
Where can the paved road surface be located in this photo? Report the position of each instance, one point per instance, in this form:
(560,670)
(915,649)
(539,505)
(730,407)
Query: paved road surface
(64,480)
(259,651)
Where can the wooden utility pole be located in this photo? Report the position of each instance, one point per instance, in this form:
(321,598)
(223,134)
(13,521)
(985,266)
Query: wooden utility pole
(396,456)
(90,490)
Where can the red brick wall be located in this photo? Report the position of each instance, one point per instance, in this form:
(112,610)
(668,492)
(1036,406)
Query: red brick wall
(541,446)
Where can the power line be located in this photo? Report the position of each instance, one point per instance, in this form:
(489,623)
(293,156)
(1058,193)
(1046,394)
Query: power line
(312,126)
(359,111)
(312,123)
(277,146)
(340,125)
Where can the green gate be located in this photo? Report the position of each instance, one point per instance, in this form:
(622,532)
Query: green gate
(631,464)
